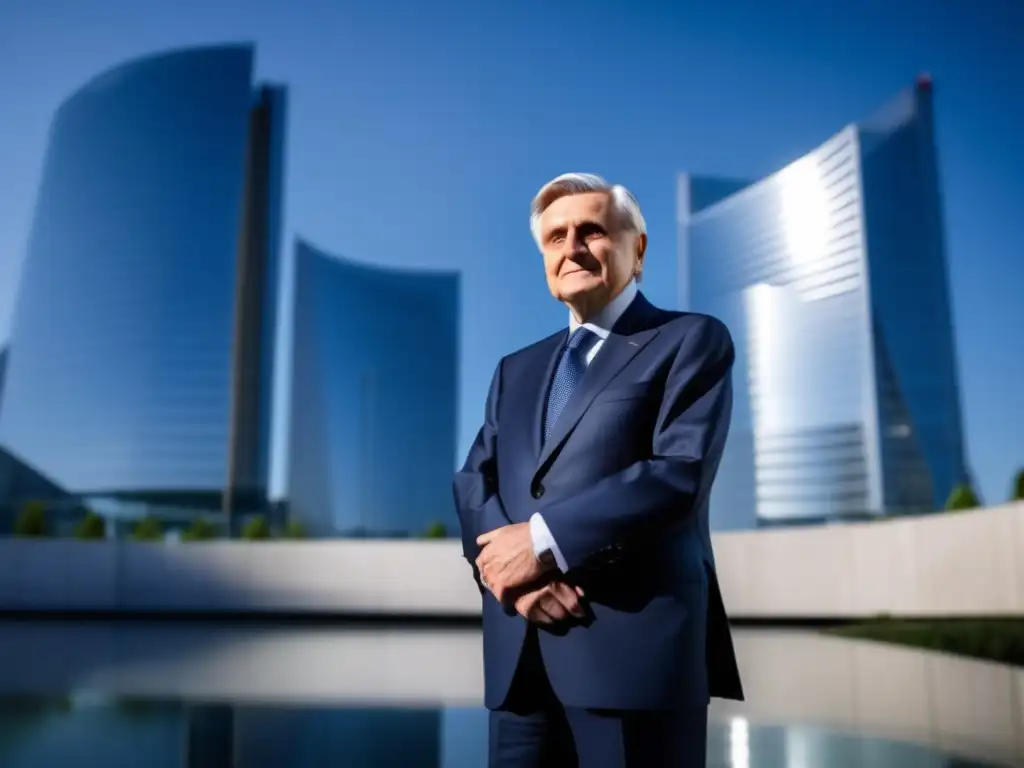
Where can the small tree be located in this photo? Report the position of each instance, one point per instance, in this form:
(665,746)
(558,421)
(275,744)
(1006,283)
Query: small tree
(436,530)
(294,529)
(256,529)
(148,529)
(1018,486)
(31,521)
(961,498)
(91,527)
(200,530)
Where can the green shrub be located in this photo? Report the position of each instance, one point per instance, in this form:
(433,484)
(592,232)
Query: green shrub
(31,521)
(436,530)
(256,529)
(148,529)
(200,530)
(293,529)
(1018,486)
(962,497)
(91,527)
(999,640)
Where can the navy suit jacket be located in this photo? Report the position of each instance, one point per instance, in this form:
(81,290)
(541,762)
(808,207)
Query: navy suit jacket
(623,485)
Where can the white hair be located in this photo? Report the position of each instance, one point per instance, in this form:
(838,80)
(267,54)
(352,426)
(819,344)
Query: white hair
(623,201)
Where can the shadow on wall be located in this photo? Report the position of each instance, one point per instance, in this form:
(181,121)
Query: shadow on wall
(330,578)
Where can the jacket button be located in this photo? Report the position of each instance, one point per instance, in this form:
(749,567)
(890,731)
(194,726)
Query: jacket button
(538,491)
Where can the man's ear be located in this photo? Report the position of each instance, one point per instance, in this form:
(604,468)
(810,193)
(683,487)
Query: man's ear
(641,250)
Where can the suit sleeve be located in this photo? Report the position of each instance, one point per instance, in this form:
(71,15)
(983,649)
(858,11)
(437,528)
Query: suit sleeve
(661,491)
(476,485)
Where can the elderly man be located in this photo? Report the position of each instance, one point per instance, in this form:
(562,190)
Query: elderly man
(584,509)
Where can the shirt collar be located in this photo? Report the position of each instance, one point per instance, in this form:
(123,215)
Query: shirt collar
(603,322)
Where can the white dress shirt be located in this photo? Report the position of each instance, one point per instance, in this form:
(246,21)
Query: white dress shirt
(601,325)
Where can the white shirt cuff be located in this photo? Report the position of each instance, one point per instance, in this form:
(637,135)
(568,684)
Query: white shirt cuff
(542,539)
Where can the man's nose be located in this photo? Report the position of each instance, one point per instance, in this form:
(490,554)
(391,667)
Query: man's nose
(576,245)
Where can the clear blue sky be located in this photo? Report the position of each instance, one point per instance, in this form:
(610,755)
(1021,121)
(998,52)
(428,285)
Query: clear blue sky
(419,131)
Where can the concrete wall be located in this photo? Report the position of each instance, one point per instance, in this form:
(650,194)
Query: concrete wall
(969,563)
(953,564)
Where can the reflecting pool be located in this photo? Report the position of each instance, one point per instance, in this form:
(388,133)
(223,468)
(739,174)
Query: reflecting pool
(201,695)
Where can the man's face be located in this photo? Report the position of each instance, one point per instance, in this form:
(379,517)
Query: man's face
(589,254)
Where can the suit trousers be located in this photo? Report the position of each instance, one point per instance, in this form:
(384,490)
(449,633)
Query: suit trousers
(533,730)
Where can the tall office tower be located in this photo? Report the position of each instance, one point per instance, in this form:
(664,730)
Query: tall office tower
(142,343)
(832,276)
(373,397)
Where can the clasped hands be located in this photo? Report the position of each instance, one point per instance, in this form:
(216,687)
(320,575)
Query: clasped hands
(511,570)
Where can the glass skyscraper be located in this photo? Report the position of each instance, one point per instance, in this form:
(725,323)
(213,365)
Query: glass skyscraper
(143,328)
(373,397)
(831,275)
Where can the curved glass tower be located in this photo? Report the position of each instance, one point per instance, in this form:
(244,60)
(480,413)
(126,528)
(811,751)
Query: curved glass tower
(142,336)
(831,275)
(373,398)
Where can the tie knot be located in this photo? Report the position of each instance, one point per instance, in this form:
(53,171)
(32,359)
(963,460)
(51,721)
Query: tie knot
(580,338)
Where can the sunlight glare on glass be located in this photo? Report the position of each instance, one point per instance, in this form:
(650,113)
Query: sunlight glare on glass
(768,334)
(804,213)
(799,751)
(739,743)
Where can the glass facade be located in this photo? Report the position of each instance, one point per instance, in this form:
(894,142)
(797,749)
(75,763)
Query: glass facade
(920,429)
(373,397)
(847,401)
(147,289)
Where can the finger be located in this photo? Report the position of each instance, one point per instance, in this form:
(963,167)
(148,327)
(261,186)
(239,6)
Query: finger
(566,596)
(490,571)
(540,616)
(523,608)
(500,591)
(526,607)
(579,591)
(574,608)
(485,538)
(484,557)
(526,602)
(554,608)
(570,598)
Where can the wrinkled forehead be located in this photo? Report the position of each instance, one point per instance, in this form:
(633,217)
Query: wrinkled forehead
(575,209)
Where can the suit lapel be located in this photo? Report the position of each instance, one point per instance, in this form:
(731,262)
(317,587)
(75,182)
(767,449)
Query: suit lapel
(613,356)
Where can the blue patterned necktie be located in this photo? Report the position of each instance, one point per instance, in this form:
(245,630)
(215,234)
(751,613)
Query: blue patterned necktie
(570,370)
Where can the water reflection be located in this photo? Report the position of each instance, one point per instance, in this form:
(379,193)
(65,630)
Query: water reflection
(203,735)
(79,696)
